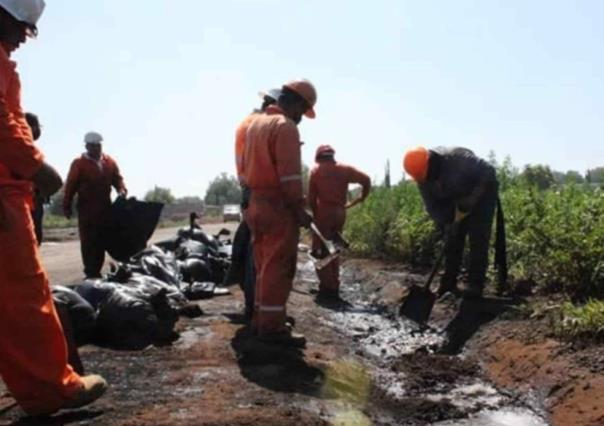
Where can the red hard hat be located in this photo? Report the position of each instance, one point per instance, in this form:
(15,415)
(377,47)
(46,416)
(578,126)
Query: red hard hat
(307,91)
(415,163)
(324,150)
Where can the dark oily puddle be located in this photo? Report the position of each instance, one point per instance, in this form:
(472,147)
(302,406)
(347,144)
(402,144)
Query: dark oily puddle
(395,376)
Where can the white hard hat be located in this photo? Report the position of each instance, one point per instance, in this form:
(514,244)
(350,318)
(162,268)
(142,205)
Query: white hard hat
(27,11)
(270,93)
(92,137)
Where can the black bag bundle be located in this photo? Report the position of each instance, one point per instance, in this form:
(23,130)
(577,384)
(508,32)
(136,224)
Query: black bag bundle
(82,315)
(130,225)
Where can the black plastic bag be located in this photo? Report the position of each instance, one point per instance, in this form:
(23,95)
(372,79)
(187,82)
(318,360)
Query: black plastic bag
(130,225)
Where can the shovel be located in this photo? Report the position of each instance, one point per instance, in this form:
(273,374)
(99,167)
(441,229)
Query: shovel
(419,302)
(333,251)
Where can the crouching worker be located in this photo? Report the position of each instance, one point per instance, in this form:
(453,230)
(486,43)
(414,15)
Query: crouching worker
(327,194)
(460,193)
(33,353)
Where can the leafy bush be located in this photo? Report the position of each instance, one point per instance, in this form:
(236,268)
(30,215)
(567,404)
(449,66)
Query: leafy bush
(555,236)
(582,322)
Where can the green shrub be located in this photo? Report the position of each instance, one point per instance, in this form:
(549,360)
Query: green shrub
(555,237)
(582,322)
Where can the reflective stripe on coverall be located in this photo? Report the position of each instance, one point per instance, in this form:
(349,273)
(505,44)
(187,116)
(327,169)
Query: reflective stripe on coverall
(273,171)
(92,182)
(33,352)
(327,194)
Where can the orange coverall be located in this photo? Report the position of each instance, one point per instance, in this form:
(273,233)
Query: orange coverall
(327,192)
(273,171)
(33,352)
(92,181)
(240,138)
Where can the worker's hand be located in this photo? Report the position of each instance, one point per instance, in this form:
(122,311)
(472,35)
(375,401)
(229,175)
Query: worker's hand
(47,180)
(354,203)
(460,215)
(67,212)
(304,218)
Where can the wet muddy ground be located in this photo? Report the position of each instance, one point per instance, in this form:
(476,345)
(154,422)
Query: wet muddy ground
(363,365)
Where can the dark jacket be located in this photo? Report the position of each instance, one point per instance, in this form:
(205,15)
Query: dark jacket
(461,173)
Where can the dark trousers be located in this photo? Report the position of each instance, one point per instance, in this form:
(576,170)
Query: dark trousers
(92,246)
(37,215)
(242,269)
(477,227)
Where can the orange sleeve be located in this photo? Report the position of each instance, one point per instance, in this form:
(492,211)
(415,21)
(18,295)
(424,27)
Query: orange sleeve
(289,163)
(17,150)
(357,176)
(312,191)
(72,184)
(117,180)
(240,136)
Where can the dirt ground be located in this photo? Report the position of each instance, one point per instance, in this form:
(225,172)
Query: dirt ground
(362,366)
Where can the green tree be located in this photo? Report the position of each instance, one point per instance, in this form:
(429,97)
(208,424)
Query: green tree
(595,175)
(56,203)
(387,183)
(160,195)
(539,176)
(572,176)
(224,189)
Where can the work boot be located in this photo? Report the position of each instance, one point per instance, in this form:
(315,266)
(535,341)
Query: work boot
(93,388)
(473,293)
(447,287)
(328,296)
(284,338)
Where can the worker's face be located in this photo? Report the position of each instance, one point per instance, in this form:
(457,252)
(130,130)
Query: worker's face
(12,32)
(295,111)
(94,150)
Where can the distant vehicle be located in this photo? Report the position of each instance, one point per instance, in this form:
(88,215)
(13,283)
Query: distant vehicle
(231,212)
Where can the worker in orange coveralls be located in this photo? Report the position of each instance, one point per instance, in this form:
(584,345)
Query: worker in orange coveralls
(33,352)
(273,171)
(91,177)
(327,196)
(242,269)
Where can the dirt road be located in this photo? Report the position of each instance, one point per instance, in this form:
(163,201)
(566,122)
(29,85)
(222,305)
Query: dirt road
(362,366)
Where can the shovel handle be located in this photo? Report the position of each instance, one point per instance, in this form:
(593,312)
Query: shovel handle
(453,228)
(318,233)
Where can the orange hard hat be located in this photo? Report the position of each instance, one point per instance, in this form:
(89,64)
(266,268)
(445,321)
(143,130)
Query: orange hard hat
(307,91)
(324,150)
(415,163)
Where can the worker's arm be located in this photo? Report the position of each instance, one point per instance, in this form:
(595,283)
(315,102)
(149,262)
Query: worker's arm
(240,137)
(17,150)
(117,180)
(289,169)
(358,177)
(441,211)
(71,187)
(313,192)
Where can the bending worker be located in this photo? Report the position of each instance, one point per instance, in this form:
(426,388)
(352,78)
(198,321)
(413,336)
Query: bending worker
(33,352)
(460,189)
(242,270)
(327,194)
(91,177)
(273,171)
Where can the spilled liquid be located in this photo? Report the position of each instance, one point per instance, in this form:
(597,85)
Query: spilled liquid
(381,339)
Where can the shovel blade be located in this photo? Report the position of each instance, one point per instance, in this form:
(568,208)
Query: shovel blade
(418,304)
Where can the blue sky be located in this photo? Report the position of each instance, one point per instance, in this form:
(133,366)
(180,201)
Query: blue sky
(166,82)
